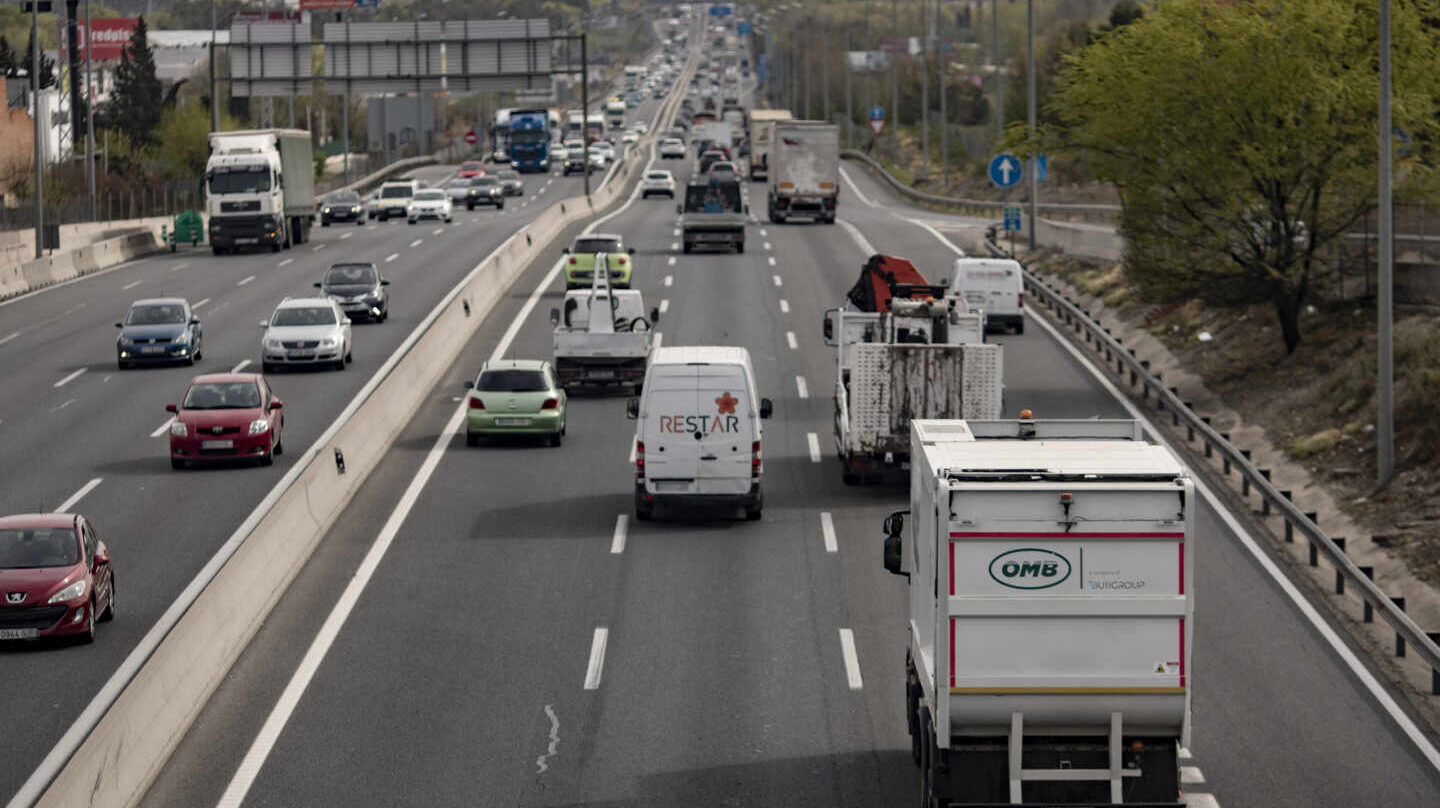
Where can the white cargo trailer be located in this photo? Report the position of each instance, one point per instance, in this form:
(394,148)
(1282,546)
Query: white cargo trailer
(1051,620)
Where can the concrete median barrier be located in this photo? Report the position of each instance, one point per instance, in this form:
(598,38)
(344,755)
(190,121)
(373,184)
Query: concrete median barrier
(70,264)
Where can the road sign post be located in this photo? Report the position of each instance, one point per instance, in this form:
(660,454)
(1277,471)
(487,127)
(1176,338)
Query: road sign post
(1012,224)
(1005,170)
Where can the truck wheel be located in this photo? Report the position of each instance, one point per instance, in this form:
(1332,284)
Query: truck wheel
(927,762)
(1020,327)
(753,514)
(739,248)
(471,438)
(688,247)
(217,250)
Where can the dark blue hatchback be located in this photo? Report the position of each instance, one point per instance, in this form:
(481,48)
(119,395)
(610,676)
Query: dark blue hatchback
(160,329)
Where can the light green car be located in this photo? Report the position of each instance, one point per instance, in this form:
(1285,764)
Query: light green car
(515,397)
(580,265)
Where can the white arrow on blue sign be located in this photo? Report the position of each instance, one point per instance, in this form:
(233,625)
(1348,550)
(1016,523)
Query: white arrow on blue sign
(877,114)
(1005,170)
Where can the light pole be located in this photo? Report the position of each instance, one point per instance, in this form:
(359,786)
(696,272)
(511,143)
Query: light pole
(1385,419)
(39,133)
(90,121)
(1030,109)
(214,98)
(895,68)
(995,62)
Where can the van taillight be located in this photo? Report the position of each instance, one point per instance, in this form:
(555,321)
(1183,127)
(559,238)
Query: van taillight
(572,260)
(476,404)
(550,404)
(1021,298)
(640,461)
(755,460)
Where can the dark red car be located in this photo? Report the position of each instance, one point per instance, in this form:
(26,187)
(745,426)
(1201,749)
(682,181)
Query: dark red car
(471,168)
(226,416)
(55,577)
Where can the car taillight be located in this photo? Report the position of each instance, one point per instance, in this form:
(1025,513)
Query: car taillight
(572,259)
(755,460)
(1021,298)
(639,461)
(476,404)
(622,262)
(550,404)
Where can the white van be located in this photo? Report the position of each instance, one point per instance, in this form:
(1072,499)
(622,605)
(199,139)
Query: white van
(994,286)
(698,437)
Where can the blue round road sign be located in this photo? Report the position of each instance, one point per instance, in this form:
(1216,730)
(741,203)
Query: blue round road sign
(877,113)
(1005,170)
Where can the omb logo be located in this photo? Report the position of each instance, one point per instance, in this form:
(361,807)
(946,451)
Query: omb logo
(1030,568)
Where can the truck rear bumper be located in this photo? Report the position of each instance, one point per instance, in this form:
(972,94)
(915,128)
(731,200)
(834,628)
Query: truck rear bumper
(239,231)
(751,499)
(600,372)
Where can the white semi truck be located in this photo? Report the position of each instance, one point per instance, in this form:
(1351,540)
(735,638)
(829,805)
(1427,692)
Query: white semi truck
(615,113)
(804,171)
(762,127)
(259,188)
(1051,612)
(602,334)
(904,350)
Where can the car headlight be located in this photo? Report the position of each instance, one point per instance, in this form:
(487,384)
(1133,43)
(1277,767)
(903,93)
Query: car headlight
(325,210)
(182,339)
(74,591)
(178,428)
(259,426)
(273,344)
(355,209)
(328,342)
(126,341)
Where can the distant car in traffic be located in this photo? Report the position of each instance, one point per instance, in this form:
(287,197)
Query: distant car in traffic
(57,577)
(160,329)
(580,267)
(460,191)
(303,332)
(488,191)
(515,397)
(471,168)
(657,183)
(709,158)
(500,157)
(359,289)
(372,205)
(672,148)
(511,182)
(431,203)
(722,170)
(629,138)
(226,416)
(342,206)
(395,198)
(558,153)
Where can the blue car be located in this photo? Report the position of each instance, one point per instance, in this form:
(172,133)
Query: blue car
(162,329)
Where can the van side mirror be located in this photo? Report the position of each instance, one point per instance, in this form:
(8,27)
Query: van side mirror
(894,548)
(384,282)
(655,315)
(566,251)
(119,325)
(830,315)
(679,208)
(316,284)
(747,210)
(554,317)
(766,408)
(632,408)
(631,251)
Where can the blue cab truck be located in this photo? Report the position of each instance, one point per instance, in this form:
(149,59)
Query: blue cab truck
(530,139)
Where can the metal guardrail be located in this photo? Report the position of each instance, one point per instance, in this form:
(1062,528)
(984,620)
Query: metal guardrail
(1273,501)
(397,167)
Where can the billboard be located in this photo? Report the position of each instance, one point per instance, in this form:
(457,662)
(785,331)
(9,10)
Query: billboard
(321,5)
(109,37)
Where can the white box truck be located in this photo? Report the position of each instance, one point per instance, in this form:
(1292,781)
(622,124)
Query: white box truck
(259,188)
(804,171)
(1051,612)
(602,335)
(762,127)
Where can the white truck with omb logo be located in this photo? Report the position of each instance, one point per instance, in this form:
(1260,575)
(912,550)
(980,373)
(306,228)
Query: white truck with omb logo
(1051,612)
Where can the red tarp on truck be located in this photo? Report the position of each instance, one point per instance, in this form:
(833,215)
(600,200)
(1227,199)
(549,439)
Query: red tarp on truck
(873,291)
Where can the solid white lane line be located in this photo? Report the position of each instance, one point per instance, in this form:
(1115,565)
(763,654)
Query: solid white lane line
(78,495)
(416,243)
(597,659)
(784,306)
(771,259)
(664,305)
(856,236)
(9,337)
(827,532)
(319,247)
(245,280)
(72,377)
(165,427)
(801,388)
(670,261)
(790,339)
(1191,775)
(766,245)
(202,301)
(814,441)
(669,281)
(437,231)
(617,544)
(131,285)
(855,189)
(241,366)
(655,342)
(67,402)
(778,282)
(852,659)
(287,262)
(344,236)
(391,257)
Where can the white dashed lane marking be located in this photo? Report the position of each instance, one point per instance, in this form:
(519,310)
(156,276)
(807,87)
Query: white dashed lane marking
(287,262)
(391,257)
(784,307)
(70,378)
(664,305)
(245,280)
(801,388)
(669,281)
(827,532)
(778,282)
(790,339)
(9,337)
(852,659)
(131,285)
(814,441)
(202,301)
(597,659)
(416,243)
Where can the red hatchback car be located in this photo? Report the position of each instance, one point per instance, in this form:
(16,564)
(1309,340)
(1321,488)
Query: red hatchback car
(226,416)
(55,577)
(471,168)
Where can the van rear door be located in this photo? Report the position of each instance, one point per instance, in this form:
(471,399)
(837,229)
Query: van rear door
(992,289)
(726,429)
(672,455)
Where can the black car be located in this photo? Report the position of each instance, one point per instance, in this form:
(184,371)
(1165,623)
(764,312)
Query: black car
(359,289)
(161,329)
(487,191)
(342,206)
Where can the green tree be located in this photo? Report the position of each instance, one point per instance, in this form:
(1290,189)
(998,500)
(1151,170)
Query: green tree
(1243,139)
(137,102)
(47,65)
(183,138)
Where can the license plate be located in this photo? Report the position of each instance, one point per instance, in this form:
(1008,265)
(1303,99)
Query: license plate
(19,633)
(247,241)
(152,349)
(602,374)
(677,485)
(302,354)
(217,444)
(512,422)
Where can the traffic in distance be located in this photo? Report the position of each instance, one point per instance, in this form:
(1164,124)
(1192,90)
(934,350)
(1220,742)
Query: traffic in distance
(1020,627)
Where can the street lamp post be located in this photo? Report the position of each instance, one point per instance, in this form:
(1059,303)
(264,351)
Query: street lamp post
(39,133)
(1385,418)
(1030,110)
(90,121)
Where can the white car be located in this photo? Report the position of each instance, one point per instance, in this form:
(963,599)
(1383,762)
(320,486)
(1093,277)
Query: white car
(629,138)
(558,153)
(672,148)
(642,127)
(604,151)
(658,183)
(305,331)
(430,203)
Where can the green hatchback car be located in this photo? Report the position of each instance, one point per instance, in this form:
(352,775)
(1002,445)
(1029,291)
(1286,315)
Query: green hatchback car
(515,397)
(580,265)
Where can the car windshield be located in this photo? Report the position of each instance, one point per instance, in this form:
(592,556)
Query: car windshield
(657,175)
(34,547)
(157,314)
(430,196)
(222,396)
(351,275)
(397,191)
(471,166)
(512,381)
(343,198)
(458,183)
(596,245)
(509,175)
(240,180)
(485,181)
(304,315)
